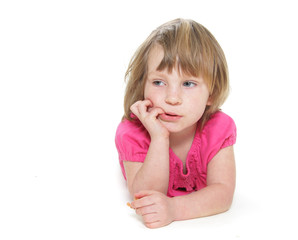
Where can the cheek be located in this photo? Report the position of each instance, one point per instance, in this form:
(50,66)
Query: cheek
(202,98)
(154,97)
(197,105)
(147,92)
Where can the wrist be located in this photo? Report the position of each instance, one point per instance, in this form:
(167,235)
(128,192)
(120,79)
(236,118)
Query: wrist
(178,208)
(160,139)
(175,208)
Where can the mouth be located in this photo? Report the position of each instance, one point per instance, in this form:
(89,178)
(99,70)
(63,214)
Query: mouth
(169,117)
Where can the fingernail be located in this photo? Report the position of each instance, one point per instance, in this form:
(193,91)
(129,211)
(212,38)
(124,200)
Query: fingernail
(128,204)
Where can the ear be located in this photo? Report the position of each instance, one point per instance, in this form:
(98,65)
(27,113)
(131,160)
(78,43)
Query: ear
(210,101)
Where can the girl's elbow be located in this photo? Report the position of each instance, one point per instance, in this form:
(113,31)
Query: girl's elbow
(227,196)
(228,200)
(227,206)
(133,189)
(224,205)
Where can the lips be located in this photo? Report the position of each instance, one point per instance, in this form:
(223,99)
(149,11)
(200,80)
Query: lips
(169,117)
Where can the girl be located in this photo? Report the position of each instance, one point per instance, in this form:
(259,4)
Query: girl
(175,146)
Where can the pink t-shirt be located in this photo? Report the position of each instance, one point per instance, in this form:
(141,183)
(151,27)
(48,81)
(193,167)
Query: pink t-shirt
(133,140)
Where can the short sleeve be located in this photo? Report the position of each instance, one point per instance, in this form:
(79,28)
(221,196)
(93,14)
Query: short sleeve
(132,142)
(218,133)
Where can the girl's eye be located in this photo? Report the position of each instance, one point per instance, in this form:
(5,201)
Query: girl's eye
(189,84)
(158,83)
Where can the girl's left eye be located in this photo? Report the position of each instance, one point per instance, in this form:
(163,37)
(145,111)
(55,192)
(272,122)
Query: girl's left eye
(189,84)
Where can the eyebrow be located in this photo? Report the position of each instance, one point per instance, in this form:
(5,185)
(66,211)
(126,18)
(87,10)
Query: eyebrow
(162,74)
(156,73)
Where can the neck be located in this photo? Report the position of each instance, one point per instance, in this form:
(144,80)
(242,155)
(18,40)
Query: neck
(183,136)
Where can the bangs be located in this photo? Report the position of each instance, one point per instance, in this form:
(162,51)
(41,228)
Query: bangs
(186,50)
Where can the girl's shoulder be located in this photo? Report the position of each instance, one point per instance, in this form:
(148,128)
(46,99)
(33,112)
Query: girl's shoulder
(132,131)
(219,121)
(218,132)
(132,141)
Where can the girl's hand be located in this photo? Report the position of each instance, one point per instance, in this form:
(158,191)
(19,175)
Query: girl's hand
(148,115)
(156,208)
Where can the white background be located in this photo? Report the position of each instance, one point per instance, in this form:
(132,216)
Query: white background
(62,65)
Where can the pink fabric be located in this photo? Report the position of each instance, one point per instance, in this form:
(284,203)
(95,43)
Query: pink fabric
(132,142)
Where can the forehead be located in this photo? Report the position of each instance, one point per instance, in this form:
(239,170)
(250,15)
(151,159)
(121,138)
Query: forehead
(155,57)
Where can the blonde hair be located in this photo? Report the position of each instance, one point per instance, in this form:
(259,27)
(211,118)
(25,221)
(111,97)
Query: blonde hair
(194,49)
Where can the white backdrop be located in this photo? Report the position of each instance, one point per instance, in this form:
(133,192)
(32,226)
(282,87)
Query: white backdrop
(62,65)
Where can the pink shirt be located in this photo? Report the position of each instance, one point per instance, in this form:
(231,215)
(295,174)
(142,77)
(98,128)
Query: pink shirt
(133,140)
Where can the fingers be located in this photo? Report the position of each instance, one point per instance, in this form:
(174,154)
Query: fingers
(143,193)
(149,117)
(155,112)
(144,109)
(153,207)
(144,105)
(147,208)
(143,202)
(140,107)
(142,199)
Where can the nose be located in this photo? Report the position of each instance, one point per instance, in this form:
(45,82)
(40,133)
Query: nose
(173,97)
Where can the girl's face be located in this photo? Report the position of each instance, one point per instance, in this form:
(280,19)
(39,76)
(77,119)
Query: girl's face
(182,98)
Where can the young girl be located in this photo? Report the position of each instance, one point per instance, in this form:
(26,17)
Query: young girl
(175,146)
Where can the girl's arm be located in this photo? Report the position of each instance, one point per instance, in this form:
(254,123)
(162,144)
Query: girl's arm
(217,196)
(158,210)
(153,174)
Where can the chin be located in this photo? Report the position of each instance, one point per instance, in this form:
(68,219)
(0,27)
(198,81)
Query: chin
(172,128)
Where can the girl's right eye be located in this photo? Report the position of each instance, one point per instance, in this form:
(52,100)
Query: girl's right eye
(158,83)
